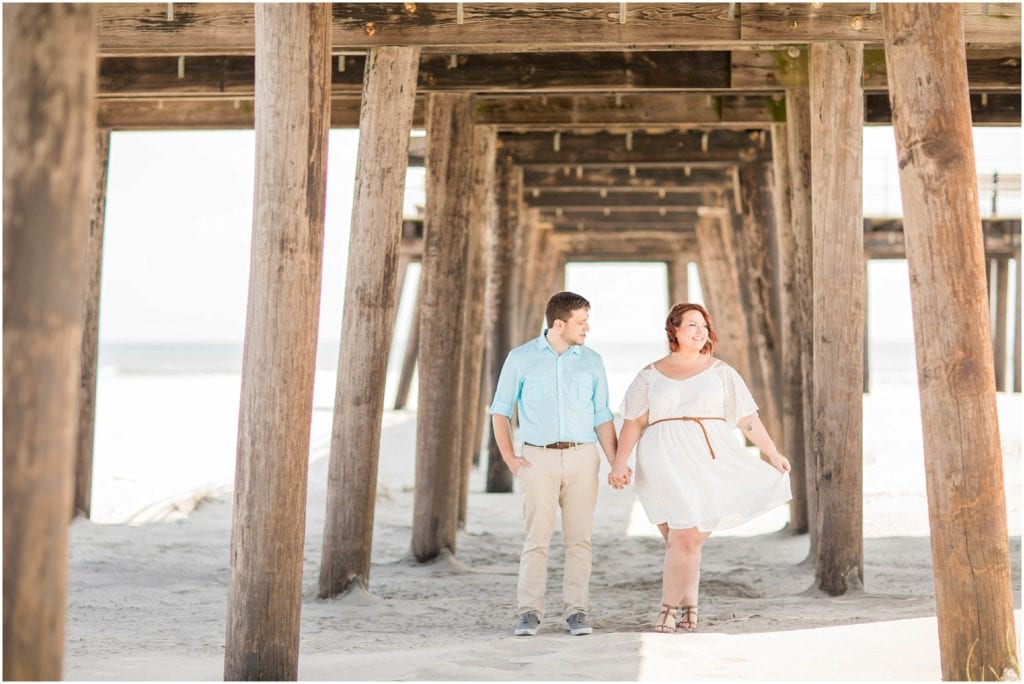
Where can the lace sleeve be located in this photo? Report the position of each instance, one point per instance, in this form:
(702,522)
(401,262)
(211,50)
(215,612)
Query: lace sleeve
(739,403)
(634,404)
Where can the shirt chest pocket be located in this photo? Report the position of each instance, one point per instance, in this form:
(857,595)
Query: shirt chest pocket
(582,387)
(538,388)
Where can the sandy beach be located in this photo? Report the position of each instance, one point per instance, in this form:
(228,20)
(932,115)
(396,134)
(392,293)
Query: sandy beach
(149,601)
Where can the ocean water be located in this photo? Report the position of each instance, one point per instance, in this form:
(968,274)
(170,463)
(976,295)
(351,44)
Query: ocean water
(167,422)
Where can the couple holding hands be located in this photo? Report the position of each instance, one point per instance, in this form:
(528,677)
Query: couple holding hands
(692,475)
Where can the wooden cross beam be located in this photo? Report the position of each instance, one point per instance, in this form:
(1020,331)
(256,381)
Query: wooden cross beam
(560,73)
(717,146)
(650,200)
(620,179)
(228,28)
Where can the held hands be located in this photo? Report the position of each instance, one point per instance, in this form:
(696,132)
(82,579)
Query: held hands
(620,476)
(779,462)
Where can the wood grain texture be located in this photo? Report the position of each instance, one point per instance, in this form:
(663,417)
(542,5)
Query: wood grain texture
(963,455)
(371,300)
(790,377)
(838,245)
(720,283)
(482,217)
(565,178)
(678,147)
(278,363)
(500,295)
(90,331)
(678,273)
(440,408)
(410,352)
(49,147)
(996,24)
(759,281)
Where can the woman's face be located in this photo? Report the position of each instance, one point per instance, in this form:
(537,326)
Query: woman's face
(692,332)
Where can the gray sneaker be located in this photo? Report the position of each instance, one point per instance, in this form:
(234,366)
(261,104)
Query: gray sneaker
(527,625)
(579,624)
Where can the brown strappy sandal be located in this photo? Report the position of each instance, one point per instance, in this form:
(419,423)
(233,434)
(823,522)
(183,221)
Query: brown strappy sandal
(666,622)
(688,618)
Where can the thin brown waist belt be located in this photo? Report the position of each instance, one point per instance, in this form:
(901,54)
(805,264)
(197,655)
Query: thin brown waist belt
(699,420)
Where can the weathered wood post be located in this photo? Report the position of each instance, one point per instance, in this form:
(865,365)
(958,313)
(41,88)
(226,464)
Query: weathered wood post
(798,139)
(440,408)
(385,119)
(500,304)
(678,279)
(758,280)
(411,351)
(718,258)
(269,517)
(1016,326)
(485,139)
(927,71)
(49,146)
(867,336)
(837,122)
(1002,291)
(82,504)
(789,375)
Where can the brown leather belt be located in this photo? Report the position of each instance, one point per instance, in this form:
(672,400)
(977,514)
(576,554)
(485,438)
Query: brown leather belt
(556,445)
(694,419)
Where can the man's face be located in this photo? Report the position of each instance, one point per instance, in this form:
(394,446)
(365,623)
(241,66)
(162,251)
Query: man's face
(574,331)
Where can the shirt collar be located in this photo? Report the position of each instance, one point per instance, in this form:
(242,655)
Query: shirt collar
(542,342)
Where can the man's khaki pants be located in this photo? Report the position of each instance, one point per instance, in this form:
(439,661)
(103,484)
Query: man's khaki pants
(565,478)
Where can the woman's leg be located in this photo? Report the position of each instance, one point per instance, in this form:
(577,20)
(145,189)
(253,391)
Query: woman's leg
(681,575)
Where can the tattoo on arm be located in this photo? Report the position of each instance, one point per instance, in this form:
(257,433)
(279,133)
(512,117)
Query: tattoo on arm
(749,427)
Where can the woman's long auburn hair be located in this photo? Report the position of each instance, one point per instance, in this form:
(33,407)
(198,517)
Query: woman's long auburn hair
(675,319)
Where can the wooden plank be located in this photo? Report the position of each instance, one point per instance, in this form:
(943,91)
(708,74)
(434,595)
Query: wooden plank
(633,201)
(677,148)
(500,299)
(790,376)
(368,321)
(279,361)
(49,144)
(838,244)
(987,109)
(987,24)
(566,177)
(963,455)
(440,407)
(482,215)
(786,67)
(82,504)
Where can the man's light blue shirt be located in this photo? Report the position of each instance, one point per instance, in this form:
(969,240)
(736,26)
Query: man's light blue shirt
(561,397)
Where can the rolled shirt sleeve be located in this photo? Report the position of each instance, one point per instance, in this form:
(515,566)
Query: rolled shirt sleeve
(507,392)
(602,414)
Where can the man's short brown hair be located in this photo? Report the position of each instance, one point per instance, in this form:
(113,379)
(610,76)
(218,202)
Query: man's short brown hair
(561,306)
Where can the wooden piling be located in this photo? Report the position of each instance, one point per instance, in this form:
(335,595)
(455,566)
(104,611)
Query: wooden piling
(269,516)
(677,270)
(798,139)
(926,65)
(1016,327)
(82,504)
(1002,290)
(440,407)
(371,301)
(49,147)
(837,123)
(758,281)
(789,376)
(411,350)
(718,258)
(500,300)
(482,209)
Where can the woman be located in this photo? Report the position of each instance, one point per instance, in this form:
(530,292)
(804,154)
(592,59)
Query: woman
(692,475)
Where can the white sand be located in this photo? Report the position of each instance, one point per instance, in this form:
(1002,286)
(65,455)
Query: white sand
(149,601)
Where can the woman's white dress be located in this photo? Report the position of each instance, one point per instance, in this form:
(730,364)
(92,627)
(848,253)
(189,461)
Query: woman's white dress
(677,480)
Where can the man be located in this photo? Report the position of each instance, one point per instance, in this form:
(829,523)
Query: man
(561,391)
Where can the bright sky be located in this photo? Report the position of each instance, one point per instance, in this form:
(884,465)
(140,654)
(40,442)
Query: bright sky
(179,219)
